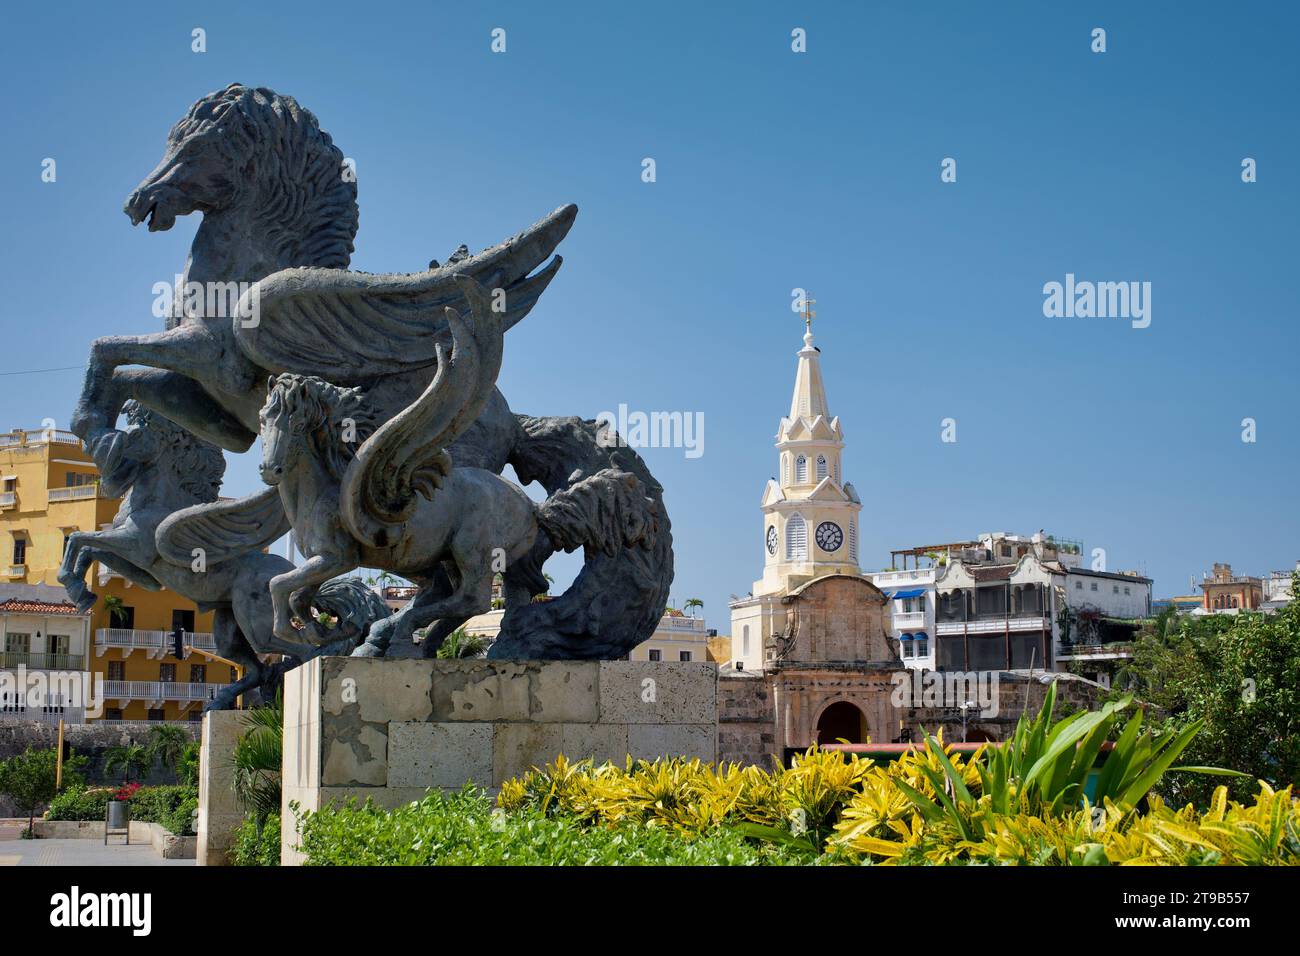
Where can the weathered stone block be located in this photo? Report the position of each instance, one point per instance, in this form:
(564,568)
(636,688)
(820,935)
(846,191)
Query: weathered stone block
(356,755)
(565,692)
(600,742)
(376,690)
(482,690)
(517,748)
(443,755)
(651,692)
(651,741)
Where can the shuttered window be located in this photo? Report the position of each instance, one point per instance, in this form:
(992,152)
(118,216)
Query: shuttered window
(796,538)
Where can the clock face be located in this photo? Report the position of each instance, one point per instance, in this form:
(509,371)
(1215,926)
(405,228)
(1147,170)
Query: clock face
(829,536)
(771,539)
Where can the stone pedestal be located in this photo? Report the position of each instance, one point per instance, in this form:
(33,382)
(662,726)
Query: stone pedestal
(391,729)
(219,812)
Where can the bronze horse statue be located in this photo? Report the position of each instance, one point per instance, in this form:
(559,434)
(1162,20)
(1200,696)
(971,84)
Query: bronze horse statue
(279,214)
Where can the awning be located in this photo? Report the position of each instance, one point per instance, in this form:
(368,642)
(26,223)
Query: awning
(900,595)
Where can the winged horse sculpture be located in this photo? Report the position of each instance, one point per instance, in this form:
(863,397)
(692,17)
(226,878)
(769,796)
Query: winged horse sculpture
(279,210)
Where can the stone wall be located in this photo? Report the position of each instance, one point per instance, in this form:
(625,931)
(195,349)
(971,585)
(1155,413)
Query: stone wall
(391,729)
(219,811)
(92,741)
(746,726)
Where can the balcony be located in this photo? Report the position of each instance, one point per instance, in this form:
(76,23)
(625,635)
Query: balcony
(37,436)
(155,691)
(17,571)
(690,624)
(8,499)
(77,493)
(994,624)
(909,620)
(45,662)
(155,644)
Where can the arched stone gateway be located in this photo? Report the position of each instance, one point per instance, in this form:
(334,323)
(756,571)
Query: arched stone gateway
(842,722)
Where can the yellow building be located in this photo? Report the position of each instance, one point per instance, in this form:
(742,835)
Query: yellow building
(49,489)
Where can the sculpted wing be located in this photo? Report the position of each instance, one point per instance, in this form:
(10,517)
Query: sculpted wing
(222,529)
(407,455)
(346,327)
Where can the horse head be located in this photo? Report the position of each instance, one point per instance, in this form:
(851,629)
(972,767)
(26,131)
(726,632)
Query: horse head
(261,161)
(166,454)
(307,417)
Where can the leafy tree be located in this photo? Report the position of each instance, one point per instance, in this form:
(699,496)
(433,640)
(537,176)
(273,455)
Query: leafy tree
(1238,674)
(459,644)
(166,744)
(29,778)
(257,760)
(131,759)
(187,765)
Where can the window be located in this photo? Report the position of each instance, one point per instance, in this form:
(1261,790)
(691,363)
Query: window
(116,670)
(821,467)
(684,656)
(67,535)
(155,713)
(785,469)
(60,644)
(1114,589)
(744,640)
(167,673)
(853,539)
(20,549)
(796,539)
(1078,585)
(234,674)
(655,654)
(112,713)
(198,673)
(800,470)
(906,643)
(183,619)
(1094,585)
(18,643)
(922,645)
(1126,589)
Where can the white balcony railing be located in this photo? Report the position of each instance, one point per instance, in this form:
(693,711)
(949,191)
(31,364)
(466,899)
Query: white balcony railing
(17,570)
(38,436)
(153,643)
(909,619)
(77,493)
(992,625)
(153,690)
(8,499)
(682,624)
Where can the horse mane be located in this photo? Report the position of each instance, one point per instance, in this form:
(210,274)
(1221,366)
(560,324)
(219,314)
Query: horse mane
(197,465)
(321,411)
(285,163)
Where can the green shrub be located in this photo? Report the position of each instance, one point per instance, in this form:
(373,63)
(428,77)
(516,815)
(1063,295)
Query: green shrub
(463,829)
(171,806)
(79,804)
(252,849)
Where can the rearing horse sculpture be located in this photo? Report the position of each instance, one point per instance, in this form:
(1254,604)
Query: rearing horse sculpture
(164,470)
(399,502)
(279,211)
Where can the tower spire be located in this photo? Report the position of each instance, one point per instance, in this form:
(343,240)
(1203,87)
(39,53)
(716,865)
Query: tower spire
(809,399)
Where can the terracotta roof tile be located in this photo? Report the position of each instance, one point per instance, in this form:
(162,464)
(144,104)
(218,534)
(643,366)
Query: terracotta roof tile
(17,606)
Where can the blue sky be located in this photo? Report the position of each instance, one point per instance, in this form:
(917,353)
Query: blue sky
(775,170)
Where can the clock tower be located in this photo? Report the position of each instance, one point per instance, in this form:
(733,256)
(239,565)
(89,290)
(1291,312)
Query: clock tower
(810,514)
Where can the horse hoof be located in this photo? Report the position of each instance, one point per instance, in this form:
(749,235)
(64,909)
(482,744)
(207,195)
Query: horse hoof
(86,602)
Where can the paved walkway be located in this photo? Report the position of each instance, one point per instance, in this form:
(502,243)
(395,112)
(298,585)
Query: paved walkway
(18,852)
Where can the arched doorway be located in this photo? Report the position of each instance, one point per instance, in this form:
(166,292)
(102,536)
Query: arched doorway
(842,721)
